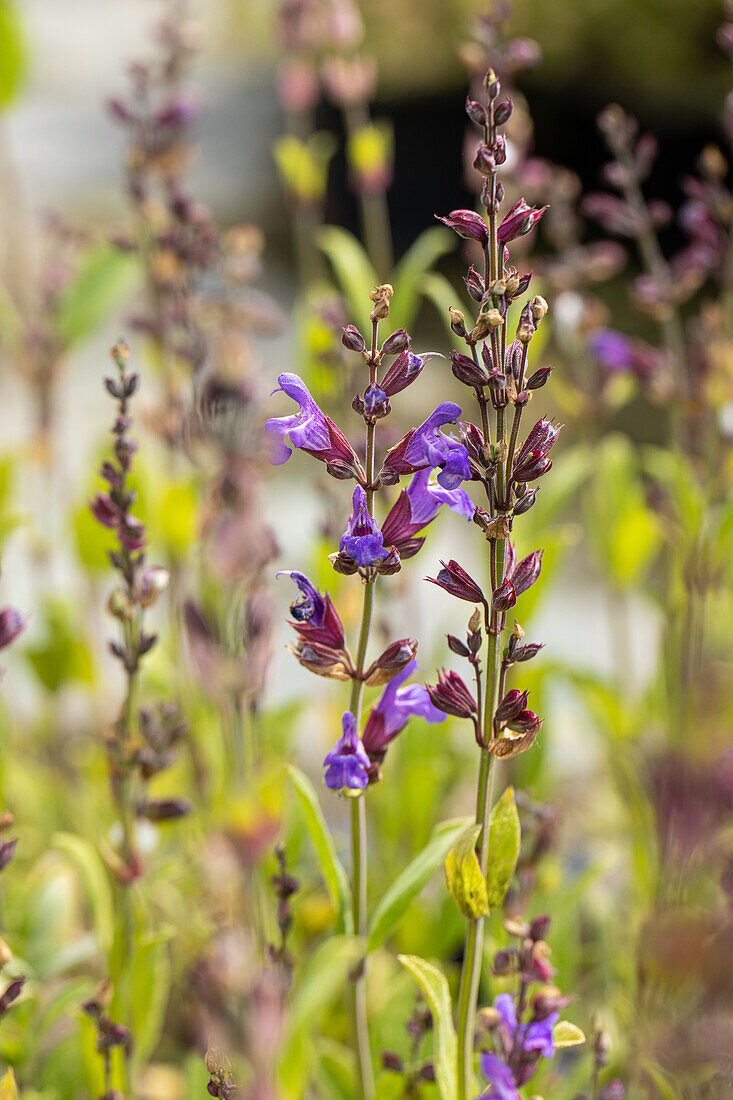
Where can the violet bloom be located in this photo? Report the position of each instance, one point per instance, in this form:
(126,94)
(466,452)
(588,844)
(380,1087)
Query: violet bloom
(347,763)
(427,448)
(500,1078)
(309,429)
(315,618)
(416,507)
(534,1036)
(399,702)
(616,353)
(362,540)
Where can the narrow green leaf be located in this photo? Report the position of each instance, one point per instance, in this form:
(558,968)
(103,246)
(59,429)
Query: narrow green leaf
(335,876)
(412,268)
(354,273)
(323,977)
(415,876)
(565,1034)
(504,840)
(466,884)
(88,862)
(435,987)
(143,992)
(105,277)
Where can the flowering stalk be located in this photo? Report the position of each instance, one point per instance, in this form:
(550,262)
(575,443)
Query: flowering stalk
(354,763)
(139,745)
(497,372)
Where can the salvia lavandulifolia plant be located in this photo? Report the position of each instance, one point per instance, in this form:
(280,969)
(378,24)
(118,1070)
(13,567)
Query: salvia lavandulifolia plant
(110,1036)
(140,743)
(371,551)
(496,367)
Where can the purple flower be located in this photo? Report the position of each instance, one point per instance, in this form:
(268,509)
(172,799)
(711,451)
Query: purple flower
(362,540)
(309,429)
(500,1078)
(427,448)
(347,763)
(316,619)
(534,1036)
(397,704)
(616,352)
(467,224)
(416,507)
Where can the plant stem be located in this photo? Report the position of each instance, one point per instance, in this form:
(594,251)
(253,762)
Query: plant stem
(362,1053)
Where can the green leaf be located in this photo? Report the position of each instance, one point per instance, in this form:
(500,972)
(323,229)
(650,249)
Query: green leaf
(504,840)
(354,273)
(8,1088)
(143,992)
(466,884)
(410,272)
(323,977)
(63,657)
(12,53)
(335,876)
(105,277)
(435,987)
(86,859)
(415,876)
(565,1034)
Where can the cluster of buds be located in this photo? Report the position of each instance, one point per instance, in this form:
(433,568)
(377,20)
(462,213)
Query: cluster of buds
(136,750)
(172,232)
(518,1030)
(110,1035)
(415,1070)
(285,885)
(221,1082)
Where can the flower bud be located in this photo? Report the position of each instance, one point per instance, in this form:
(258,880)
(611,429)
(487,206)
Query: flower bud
(397,342)
(403,372)
(352,339)
(468,371)
(525,502)
(165,809)
(456,646)
(394,658)
(456,581)
(151,585)
(457,322)
(474,284)
(451,695)
(104,511)
(533,466)
(511,706)
(504,596)
(527,652)
(475,111)
(467,224)
(540,378)
(539,927)
(376,403)
(503,111)
(526,572)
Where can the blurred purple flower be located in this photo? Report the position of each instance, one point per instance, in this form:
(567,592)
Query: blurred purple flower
(12,623)
(347,763)
(500,1078)
(616,353)
(536,1035)
(362,540)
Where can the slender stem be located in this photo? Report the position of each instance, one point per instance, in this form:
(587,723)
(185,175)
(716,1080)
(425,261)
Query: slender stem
(362,1053)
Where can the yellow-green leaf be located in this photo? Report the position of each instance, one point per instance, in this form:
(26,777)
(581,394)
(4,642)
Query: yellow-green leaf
(8,1088)
(566,1034)
(12,52)
(504,840)
(466,884)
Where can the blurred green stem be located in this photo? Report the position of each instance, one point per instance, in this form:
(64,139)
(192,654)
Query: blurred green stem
(375,222)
